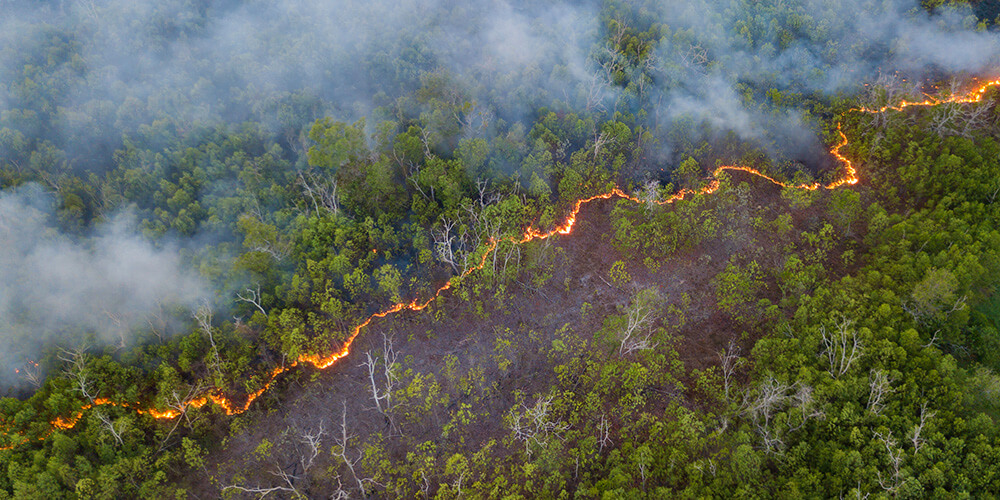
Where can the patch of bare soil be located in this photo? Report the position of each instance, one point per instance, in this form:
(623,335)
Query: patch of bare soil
(306,399)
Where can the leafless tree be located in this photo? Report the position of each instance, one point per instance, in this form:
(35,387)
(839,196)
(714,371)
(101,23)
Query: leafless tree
(340,450)
(879,386)
(454,244)
(770,399)
(650,194)
(119,325)
(535,424)
(113,428)
(639,319)
(322,193)
(262,491)
(340,493)
(618,27)
(918,429)
(773,398)
(181,404)
(841,346)
(77,371)
(596,91)
(640,73)
(729,360)
(203,315)
(960,119)
(601,139)
(923,312)
(604,432)
(425,488)
(696,57)
(511,257)
(485,195)
(887,92)
(894,479)
(382,375)
(157,322)
(313,440)
(252,296)
(31,372)
(857,493)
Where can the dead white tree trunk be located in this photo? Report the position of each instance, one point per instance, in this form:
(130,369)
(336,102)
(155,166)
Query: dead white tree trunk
(535,424)
(113,428)
(252,296)
(203,315)
(77,371)
(918,429)
(313,440)
(729,359)
(639,319)
(842,347)
(340,450)
(894,479)
(382,375)
(879,386)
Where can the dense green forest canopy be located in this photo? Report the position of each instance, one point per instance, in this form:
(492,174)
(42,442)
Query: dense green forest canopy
(197,195)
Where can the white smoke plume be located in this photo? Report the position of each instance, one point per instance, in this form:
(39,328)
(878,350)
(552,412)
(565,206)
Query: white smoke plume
(69,291)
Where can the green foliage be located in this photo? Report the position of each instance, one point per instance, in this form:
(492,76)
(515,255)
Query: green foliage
(619,275)
(872,375)
(737,286)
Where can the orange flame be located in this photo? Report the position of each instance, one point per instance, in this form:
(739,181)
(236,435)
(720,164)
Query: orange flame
(971,97)
(530,234)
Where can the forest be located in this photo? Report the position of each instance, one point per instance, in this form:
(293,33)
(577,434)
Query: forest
(499,249)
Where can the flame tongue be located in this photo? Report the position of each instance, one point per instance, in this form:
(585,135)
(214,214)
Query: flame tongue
(530,234)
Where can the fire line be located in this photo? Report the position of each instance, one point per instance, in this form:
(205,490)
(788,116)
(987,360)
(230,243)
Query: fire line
(530,234)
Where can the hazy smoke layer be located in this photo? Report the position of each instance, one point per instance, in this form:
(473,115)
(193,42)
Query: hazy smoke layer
(718,58)
(122,64)
(54,288)
(285,63)
(83,73)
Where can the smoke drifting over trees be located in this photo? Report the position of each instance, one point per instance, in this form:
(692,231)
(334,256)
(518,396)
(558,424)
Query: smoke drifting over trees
(212,207)
(78,292)
(81,75)
(122,65)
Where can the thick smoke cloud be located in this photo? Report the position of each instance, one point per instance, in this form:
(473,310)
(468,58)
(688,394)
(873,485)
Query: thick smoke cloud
(67,291)
(285,63)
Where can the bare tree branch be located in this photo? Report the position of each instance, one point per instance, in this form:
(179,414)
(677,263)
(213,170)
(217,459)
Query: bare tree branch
(252,296)
(842,346)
